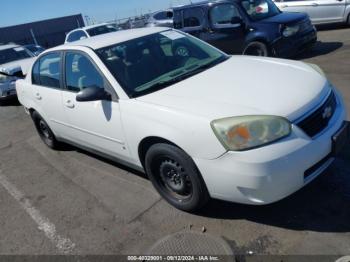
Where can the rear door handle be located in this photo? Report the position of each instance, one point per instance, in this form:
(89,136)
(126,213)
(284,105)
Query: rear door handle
(69,104)
(314,4)
(38,96)
(284,6)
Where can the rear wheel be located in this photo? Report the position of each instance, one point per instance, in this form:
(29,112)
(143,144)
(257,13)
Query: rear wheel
(256,49)
(176,177)
(348,21)
(44,131)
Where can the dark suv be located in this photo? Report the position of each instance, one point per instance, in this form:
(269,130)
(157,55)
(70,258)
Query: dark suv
(251,27)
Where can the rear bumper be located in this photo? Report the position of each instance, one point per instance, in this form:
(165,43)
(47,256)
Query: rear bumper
(286,47)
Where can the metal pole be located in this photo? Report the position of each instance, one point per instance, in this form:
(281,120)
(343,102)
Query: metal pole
(36,42)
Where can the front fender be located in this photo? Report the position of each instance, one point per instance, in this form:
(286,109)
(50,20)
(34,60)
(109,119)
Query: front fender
(267,33)
(191,133)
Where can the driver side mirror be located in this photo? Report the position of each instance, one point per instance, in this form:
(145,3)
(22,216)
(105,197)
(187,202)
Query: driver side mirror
(93,93)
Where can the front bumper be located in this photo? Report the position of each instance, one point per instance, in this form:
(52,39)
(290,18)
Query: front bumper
(271,173)
(286,47)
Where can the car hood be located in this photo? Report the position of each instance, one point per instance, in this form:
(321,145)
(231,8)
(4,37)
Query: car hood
(285,18)
(245,85)
(12,67)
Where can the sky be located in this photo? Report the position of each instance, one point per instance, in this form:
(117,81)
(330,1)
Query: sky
(25,11)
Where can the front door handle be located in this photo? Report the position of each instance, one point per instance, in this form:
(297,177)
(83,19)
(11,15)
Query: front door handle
(69,104)
(38,96)
(284,6)
(314,4)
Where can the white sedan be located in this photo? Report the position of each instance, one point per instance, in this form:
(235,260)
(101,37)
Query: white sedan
(14,63)
(200,123)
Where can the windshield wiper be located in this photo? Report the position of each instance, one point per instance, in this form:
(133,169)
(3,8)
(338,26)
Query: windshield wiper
(163,84)
(158,86)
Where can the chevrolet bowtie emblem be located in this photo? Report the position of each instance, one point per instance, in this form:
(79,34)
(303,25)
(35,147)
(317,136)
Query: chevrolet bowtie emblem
(327,113)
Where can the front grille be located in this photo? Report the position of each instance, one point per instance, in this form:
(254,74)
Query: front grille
(319,120)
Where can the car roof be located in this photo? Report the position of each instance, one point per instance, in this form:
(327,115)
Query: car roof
(161,11)
(109,39)
(203,3)
(4,47)
(89,27)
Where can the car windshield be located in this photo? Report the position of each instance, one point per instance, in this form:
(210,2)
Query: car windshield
(147,64)
(14,54)
(260,9)
(100,30)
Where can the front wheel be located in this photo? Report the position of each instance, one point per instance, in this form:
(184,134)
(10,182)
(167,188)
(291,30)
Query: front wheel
(176,177)
(256,49)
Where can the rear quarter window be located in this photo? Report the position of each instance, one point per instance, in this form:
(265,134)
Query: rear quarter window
(75,36)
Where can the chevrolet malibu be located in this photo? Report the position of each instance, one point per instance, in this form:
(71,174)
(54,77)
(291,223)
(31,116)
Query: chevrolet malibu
(200,123)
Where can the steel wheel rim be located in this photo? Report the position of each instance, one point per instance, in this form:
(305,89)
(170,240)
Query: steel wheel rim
(44,130)
(174,180)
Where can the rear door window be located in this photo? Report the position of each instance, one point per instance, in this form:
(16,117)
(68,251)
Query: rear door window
(193,17)
(47,71)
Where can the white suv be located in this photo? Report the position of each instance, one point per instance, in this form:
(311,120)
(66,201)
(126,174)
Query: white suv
(199,122)
(320,11)
(89,31)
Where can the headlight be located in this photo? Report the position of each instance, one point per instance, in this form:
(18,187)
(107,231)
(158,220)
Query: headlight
(290,30)
(247,132)
(317,68)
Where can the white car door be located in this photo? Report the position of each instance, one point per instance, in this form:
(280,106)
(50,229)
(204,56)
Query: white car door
(291,6)
(326,11)
(47,91)
(96,125)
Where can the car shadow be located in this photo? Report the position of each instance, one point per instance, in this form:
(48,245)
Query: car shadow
(322,206)
(108,161)
(320,48)
(10,102)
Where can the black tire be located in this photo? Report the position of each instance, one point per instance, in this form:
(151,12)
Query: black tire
(348,21)
(44,131)
(257,48)
(176,177)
